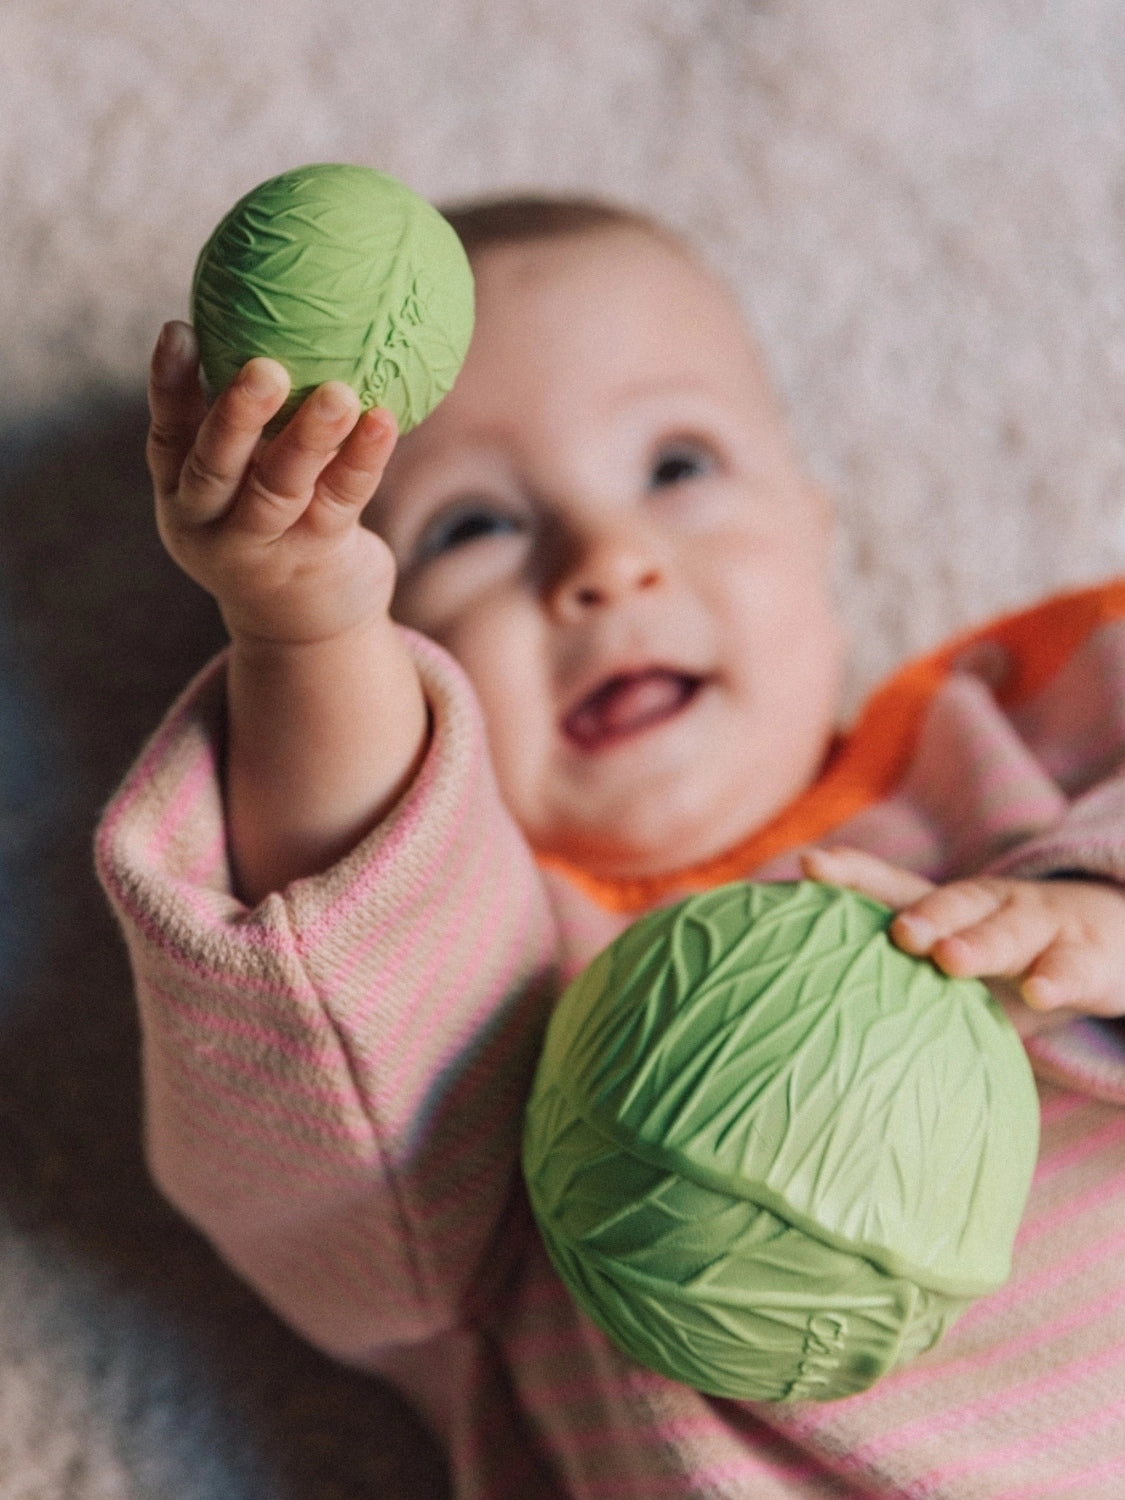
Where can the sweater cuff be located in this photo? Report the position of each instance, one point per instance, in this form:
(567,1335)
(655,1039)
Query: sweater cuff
(166,825)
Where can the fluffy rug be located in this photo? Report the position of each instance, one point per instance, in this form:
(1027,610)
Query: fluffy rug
(922,207)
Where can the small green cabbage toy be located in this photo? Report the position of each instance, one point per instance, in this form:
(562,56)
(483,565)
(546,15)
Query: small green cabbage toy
(339,273)
(772,1155)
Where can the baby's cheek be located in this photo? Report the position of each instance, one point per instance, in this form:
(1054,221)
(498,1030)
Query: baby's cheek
(512,687)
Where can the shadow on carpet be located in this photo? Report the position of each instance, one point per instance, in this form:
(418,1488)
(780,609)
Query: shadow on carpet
(132,1363)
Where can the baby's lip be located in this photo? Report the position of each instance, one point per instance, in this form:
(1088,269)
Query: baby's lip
(628,702)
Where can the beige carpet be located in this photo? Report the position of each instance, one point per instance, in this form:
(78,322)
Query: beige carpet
(924,208)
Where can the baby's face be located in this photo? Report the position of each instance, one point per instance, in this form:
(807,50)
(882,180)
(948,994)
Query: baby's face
(605,523)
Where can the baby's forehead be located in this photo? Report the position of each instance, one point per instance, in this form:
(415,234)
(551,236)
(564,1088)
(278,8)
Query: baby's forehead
(631,281)
(625,250)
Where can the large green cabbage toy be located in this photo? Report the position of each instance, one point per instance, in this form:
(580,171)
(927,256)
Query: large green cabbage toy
(772,1155)
(339,273)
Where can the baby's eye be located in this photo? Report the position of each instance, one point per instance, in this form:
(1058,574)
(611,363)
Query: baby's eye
(466,524)
(678,463)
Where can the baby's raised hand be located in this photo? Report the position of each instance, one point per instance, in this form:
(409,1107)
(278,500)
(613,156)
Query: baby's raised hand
(1061,943)
(271,529)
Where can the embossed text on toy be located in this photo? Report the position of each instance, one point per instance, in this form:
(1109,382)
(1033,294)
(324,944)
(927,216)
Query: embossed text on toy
(825,1338)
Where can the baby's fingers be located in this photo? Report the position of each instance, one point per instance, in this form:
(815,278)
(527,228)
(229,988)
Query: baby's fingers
(218,462)
(350,479)
(287,473)
(337,470)
(975,927)
(866,873)
(175,402)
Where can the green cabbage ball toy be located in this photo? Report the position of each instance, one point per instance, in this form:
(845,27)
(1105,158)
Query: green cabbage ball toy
(772,1155)
(339,273)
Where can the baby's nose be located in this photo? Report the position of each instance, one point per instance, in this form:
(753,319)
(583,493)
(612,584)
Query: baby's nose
(605,569)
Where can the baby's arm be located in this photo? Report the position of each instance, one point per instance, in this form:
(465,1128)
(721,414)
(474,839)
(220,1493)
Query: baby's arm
(1062,941)
(327,722)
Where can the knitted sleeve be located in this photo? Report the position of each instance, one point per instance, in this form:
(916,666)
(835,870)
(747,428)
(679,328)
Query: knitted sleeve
(334,1079)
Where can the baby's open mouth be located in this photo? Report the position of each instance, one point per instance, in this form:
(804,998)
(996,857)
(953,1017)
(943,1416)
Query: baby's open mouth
(628,703)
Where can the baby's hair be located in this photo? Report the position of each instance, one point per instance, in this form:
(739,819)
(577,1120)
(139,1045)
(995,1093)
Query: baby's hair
(519,218)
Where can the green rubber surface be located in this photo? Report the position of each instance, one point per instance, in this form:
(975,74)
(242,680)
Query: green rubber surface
(772,1155)
(340,273)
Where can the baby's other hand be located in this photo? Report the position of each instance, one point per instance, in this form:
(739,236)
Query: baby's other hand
(1049,949)
(271,529)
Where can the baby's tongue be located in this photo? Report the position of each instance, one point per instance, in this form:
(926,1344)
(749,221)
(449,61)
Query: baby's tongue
(626,704)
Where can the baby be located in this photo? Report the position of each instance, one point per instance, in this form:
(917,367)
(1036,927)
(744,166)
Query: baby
(567,650)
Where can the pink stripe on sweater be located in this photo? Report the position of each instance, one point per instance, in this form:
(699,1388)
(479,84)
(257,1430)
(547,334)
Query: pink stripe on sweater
(1098,1480)
(1067,1213)
(407,1040)
(210,862)
(1060,1106)
(399,948)
(1011,1349)
(340,1145)
(706,1479)
(319,930)
(547,1360)
(967,1414)
(284,1094)
(224,1127)
(428,1028)
(1080,1150)
(212,1027)
(460,797)
(236,1090)
(989,1309)
(423,1040)
(1059,1273)
(770,1457)
(359,949)
(1052,1436)
(180,808)
(215,1028)
(214,974)
(275,944)
(197,903)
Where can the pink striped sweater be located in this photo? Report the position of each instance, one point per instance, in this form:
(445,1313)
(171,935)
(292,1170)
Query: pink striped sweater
(335,1079)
